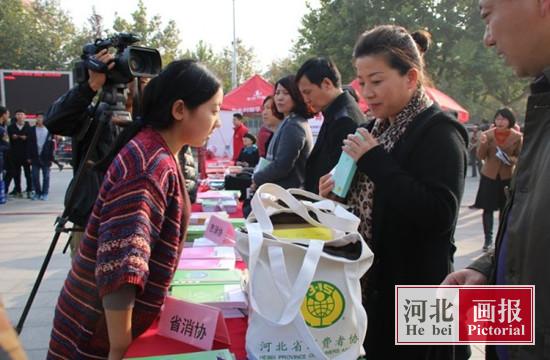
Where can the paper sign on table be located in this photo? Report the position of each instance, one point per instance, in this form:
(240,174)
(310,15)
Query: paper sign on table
(220,231)
(194,324)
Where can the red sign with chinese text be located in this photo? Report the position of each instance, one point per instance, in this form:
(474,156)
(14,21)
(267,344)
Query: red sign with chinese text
(494,314)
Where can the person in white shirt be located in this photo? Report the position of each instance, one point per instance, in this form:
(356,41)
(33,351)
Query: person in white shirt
(41,148)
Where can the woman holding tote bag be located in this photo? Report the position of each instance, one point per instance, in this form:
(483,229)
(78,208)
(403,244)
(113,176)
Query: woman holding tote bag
(412,161)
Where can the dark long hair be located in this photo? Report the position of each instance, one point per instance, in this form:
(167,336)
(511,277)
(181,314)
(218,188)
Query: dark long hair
(185,80)
(300,107)
(508,114)
(402,51)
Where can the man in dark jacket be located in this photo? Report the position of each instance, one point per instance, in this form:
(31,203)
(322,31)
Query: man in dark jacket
(40,150)
(19,133)
(520,30)
(72,115)
(320,84)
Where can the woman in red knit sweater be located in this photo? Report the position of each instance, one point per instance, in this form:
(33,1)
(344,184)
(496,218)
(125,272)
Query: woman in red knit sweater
(122,270)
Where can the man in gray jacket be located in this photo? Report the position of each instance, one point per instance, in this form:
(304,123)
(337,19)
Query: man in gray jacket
(520,31)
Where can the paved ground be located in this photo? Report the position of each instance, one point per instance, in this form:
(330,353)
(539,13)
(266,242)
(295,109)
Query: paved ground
(26,230)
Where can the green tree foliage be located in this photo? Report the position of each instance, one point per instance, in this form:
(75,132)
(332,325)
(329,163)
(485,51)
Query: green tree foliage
(280,68)
(220,63)
(34,35)
(151,33)
(457,63)
(40,35)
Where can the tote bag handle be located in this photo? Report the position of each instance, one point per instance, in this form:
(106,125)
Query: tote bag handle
(327,212)
(294,294)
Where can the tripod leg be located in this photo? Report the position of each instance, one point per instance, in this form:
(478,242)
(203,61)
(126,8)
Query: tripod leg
(36,285)
(67,244)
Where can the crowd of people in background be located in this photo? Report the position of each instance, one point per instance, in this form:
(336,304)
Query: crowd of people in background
(26,148)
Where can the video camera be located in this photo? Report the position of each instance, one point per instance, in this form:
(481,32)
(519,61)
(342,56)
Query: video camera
(130,61)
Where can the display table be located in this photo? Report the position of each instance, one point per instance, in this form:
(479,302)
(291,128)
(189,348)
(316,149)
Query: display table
(151,344)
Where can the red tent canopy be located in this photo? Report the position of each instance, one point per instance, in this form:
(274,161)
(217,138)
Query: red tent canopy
(445,101)
(248,97)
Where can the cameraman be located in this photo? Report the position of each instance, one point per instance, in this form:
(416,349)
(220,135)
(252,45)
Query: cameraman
(72,115)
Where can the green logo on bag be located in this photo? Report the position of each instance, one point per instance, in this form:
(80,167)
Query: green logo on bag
(323,305)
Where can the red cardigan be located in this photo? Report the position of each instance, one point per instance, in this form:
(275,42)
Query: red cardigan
(134,236)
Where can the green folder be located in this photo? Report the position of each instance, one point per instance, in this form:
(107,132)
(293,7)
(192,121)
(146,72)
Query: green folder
(220,295)
(237,222)
(203,355)
(193,277)
(201,293)
(195,232)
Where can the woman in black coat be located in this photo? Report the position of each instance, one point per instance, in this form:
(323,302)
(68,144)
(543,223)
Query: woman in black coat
(411,162)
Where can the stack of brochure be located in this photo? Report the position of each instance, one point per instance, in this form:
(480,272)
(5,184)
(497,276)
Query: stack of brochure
(200,218)
(226,200)
(218,194)
(207,258)
(195,232)
(227,205)
(203,355)
(219,288)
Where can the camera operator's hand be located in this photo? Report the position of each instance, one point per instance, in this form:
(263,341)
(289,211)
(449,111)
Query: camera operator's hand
(97,80)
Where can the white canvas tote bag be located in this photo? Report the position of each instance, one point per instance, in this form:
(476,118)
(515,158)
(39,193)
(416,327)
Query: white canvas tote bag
(304,294)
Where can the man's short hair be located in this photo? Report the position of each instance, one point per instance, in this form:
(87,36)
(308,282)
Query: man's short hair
(3,110)
(318,68)
(20,111)
(238,116)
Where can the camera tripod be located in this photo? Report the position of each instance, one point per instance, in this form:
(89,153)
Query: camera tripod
(110,105)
